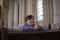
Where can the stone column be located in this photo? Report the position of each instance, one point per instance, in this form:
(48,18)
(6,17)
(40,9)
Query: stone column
(21,12)
(5,13)
(29,6)
(1,3)
(10,14)
(15,14)
(55,11)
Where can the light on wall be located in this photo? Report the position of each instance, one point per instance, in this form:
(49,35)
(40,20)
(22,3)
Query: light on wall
(39,10)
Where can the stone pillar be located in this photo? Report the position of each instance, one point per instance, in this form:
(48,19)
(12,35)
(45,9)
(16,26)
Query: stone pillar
(15,14)
(10,14)
(55,11)
(5,13)
(1,3)
(21,12)
(29,5)
(46,12)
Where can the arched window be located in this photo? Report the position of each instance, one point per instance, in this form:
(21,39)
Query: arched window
(40,10)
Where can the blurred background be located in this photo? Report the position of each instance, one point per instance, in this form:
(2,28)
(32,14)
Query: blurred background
(13,12)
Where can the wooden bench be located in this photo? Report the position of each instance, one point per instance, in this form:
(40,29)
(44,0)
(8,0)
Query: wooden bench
(40,35)
(3,32)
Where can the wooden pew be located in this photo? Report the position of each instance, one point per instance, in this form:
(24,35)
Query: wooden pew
(40,35)
(3,33)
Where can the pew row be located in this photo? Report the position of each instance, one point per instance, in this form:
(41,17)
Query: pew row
(3,32)
(40,35)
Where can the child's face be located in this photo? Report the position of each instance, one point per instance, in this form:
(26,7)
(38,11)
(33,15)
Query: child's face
(30,22)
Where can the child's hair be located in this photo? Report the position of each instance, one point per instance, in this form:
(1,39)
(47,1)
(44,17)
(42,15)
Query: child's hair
(29,17)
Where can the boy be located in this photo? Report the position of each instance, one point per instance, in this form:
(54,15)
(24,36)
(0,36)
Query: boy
(31,25)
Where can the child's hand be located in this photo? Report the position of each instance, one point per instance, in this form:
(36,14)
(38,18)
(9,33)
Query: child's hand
(36,25)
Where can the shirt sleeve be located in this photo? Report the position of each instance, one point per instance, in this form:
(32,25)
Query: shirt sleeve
(27,29)
(43,28)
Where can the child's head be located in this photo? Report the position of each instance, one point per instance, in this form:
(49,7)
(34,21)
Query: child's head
(29,20)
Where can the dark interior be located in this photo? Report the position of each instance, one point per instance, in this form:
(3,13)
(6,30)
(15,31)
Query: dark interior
(38,35)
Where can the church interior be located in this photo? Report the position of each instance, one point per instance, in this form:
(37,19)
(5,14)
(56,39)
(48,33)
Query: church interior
(13,12)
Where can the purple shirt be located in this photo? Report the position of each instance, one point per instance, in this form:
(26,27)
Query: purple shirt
(28,28)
